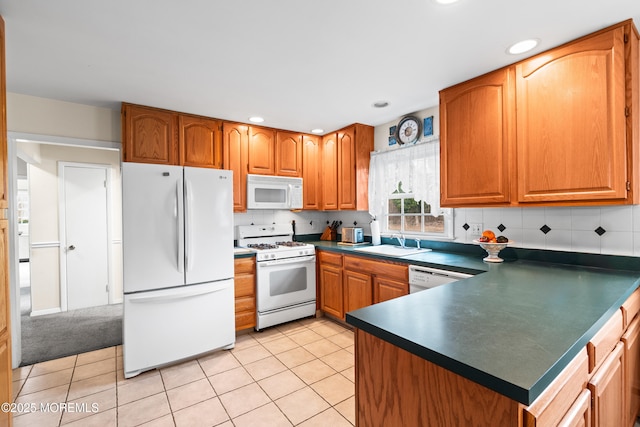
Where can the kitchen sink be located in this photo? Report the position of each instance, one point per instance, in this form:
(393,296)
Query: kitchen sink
(391,250)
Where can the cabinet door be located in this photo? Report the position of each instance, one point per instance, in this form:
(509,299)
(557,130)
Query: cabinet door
(579,415)
(329,172)
(386,289)
(632,364)
(245,293)
(200,142)
(476,139)
(571,122)
(607,387)
(331,295)
(150,135)
(358,290)
(261,151)
(346,170)
(311,179)
(288,154)
(236,146)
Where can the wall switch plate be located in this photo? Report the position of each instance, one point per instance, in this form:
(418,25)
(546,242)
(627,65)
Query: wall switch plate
(475,229)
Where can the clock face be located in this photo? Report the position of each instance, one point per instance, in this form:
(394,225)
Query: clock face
(408,130)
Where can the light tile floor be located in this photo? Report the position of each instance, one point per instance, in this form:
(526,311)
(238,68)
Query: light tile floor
(299,373)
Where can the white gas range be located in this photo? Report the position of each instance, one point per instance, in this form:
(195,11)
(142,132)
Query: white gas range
(286,273)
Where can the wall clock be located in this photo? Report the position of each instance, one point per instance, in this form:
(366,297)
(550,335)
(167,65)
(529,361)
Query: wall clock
(408,130)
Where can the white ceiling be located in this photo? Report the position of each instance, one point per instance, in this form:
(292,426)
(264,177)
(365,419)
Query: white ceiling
(301,64)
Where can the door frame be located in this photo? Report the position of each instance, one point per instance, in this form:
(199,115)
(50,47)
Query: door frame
(62,230)
(14,283)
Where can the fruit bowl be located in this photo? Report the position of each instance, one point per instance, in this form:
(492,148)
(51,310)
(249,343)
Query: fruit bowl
(493,249)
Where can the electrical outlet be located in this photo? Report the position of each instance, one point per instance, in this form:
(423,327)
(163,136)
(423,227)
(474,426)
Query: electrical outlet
(475,229)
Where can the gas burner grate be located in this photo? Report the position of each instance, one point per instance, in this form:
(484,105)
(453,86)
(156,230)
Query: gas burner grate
(262,246)
(290,244)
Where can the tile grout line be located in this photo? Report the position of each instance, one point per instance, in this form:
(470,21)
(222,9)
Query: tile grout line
(259,341)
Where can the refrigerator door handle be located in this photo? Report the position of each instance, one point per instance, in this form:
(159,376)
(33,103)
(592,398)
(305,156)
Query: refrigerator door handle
(188,250)
(179,225)
(153,299)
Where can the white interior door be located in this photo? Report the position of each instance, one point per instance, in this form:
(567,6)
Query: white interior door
(85,250)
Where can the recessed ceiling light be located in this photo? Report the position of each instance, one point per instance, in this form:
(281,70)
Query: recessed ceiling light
(445,1)
(523,46)
(256,119)
(317,130)
(381,104)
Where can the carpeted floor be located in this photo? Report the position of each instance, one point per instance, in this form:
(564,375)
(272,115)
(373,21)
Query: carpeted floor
(58,335)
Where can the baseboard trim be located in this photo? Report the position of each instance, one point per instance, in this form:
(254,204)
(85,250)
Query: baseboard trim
(47,311)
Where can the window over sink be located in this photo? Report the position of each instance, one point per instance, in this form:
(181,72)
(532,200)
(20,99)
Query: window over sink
(407,215)
(404,192)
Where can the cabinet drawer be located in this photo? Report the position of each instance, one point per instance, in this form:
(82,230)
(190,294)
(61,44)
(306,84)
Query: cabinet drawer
(246,304)
(245,320)
(244,265)
(330,258)
(630,308)
(605,340)
(244,285)
(552,405)
(379,268)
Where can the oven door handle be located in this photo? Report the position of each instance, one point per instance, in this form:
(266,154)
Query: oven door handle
(297,260)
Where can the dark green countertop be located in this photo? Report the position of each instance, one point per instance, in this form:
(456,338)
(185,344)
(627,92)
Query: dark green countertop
(512,328)
(243,253)
(463,263)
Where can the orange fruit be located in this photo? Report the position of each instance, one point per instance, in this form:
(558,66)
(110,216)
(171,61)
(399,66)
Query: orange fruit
(489,234)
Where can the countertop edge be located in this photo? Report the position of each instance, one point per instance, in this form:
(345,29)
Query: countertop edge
(491,382)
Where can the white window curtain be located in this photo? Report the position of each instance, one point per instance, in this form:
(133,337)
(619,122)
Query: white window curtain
(416,166)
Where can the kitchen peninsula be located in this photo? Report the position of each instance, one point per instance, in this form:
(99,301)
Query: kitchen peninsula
(482,350)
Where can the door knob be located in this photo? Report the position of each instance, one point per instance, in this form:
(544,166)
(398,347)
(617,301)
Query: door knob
(72,247)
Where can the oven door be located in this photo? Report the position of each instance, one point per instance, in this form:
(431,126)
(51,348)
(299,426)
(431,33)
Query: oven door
(285,282)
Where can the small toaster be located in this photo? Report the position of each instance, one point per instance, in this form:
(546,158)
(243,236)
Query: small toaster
(352,235)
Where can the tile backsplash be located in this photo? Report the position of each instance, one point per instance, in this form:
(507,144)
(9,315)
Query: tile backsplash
(611,230)
(307,222)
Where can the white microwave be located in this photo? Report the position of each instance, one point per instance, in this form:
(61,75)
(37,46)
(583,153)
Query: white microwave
(273,192)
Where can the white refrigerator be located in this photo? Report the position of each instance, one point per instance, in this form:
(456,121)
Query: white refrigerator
(177,240)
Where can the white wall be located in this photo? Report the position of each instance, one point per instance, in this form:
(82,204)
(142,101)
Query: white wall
(30,114)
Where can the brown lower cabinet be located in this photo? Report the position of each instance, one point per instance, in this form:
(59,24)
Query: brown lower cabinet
(349,282)
(632,365)
(607,387)
(245,292)
(598,388)
(330,283)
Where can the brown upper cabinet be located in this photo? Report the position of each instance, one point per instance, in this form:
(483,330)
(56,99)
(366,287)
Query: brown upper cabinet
(149,135)
(334,168)
(345,163)
(288,154)
(329,167)
(475,134)
(559,128)
(275,152)
(262,147)
(200,142)
(235,141)
(311,178)
(152,135)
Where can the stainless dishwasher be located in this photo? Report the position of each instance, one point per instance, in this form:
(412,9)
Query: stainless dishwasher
(423,278)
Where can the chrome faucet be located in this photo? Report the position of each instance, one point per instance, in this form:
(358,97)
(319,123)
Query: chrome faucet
(400,238)
(417,243)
